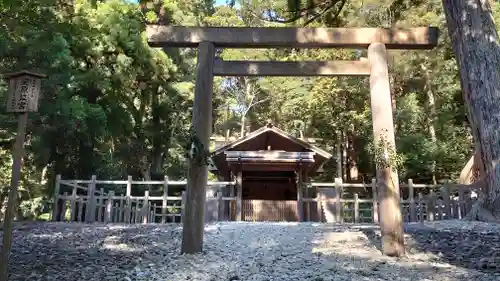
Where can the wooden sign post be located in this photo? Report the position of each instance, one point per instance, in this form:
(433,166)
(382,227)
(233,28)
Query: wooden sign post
(24,90)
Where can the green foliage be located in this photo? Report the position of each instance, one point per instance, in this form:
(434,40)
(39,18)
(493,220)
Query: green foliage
(195,149)
(113,106)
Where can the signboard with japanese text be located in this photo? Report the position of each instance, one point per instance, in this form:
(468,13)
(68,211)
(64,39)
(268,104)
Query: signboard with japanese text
(24,92)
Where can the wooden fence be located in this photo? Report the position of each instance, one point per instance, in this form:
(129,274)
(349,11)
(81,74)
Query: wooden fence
(82,201)
(419,202)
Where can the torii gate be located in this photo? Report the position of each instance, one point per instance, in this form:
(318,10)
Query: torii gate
(377,40)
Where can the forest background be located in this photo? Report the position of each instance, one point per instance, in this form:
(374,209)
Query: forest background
(112,106)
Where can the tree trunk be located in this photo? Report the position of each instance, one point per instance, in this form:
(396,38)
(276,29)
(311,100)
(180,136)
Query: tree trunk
(157,153)
(339,155)
(242,121)
(475,44)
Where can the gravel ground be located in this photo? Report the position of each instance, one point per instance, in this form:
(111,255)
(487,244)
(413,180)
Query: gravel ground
(444,251)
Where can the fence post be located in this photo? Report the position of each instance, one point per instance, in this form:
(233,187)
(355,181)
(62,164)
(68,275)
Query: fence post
(447,202)
(421,207)
(80,209)
(116,212)
(128,202)
(183,205)
(356,208)
(239,196)
(375,201)
(461,201)
(109,206)
(145,207)
(55,204)
(153,213)
(100,207)
(338,204)
(319,205)
(121,209)
(431,206)
(90,214)
(72,203)
(219,206)
(137,211)
(164,202)
(411,191)
(64,208)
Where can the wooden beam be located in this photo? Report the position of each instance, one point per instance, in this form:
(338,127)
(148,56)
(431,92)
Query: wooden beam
(300,194)
(291,68)
(292,37)
(239,195)
(193,219)
(391,221)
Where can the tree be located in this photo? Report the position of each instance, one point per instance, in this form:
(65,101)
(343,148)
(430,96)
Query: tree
(475,44)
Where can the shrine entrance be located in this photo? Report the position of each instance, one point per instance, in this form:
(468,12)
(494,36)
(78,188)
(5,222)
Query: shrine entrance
(271,167)
(376,40)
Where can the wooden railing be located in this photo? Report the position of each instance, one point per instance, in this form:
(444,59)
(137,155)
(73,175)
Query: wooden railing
(419,202)
(82,201)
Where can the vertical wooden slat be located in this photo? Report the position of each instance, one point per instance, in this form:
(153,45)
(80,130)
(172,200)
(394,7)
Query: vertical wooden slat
(109,206)
(116,213)
(469,201)
(138,208)
(146,207)
(421,207)
(461,201)
(440,203)
(431,206)
(183,204)
(300,203)
(55,204)
(411,191)
(121,209)
(164,202)
(100,205)
(154,212)
(73,204)
(375,201)
(453,203)
(356,208)
(319,205)
(446,201)
(90,214)
(64,207)
(128,201)
(239,195)
(81,202)
(300,194)
(338,212)
(220,206)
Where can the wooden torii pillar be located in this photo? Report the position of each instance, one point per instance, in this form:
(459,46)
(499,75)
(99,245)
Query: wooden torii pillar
(206,39)
(391,221)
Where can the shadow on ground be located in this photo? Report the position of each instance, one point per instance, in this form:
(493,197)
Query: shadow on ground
(232,251)
(470,248)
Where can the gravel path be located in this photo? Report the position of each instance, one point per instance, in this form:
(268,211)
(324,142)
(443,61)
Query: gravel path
(444,251)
